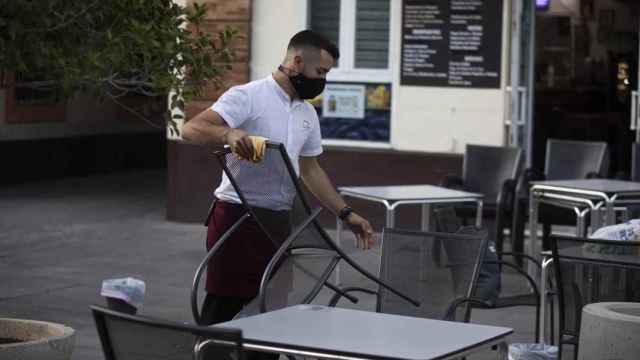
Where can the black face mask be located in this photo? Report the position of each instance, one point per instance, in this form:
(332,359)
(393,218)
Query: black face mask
(307,88)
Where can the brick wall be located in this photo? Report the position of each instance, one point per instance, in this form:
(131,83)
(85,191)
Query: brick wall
(220,14)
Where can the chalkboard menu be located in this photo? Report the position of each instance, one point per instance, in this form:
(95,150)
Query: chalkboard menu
(451,43)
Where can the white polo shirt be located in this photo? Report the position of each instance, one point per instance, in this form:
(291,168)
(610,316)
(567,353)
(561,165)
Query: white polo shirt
(263,108)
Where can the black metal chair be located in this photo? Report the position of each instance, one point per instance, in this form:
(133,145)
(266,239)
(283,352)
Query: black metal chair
(304,260)
(492,171)
(588,271)
(130,337)
(438,269)
(448,221)
(565,160)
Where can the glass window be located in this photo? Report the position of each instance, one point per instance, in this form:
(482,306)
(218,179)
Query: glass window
(324,17)
(372,34)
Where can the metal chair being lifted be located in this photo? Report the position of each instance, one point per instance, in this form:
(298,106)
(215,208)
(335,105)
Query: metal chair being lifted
(305,259)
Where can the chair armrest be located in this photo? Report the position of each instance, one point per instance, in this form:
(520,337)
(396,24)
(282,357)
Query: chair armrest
(450,315)
(337,296)
(522,256)
(452,181)
(523,273)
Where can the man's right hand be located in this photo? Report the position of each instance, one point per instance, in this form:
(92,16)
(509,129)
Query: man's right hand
(239,142)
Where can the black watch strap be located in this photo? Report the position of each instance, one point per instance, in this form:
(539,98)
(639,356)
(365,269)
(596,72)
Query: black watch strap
(344,213)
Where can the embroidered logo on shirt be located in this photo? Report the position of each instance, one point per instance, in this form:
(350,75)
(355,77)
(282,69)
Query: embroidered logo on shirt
(306,124)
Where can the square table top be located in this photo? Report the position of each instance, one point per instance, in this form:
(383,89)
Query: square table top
(345,333)
(409,193)
(608,186)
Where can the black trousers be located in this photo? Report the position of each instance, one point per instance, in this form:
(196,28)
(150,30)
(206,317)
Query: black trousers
(218,309)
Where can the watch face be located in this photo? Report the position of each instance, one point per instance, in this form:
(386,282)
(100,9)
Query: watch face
(345,212)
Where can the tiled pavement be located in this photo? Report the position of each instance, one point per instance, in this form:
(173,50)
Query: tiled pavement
(60,239)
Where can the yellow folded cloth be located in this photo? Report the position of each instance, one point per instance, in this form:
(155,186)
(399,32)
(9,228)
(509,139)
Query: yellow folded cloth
(259,148)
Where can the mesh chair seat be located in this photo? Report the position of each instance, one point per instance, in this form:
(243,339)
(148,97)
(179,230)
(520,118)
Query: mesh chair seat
(305,259)
(129,337)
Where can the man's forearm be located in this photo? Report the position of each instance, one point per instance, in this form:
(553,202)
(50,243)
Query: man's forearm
(321,187)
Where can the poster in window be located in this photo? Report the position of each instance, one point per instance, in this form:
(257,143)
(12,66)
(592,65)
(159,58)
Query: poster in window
(343,101)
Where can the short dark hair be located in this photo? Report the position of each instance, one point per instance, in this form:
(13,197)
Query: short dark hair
(310,38)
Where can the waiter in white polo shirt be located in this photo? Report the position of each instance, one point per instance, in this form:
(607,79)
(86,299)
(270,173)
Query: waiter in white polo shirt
(274,108)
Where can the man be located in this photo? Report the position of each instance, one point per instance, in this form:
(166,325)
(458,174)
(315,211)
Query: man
(274,108)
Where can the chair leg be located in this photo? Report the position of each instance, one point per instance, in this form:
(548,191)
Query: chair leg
(517,232)
(536,338)
(552,330)
(499,233)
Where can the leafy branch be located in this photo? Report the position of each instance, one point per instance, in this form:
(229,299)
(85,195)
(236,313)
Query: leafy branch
(113,49)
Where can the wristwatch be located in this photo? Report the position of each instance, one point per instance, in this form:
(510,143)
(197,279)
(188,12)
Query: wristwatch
(344,213)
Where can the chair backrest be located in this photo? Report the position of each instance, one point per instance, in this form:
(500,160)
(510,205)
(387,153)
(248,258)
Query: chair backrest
(433,268)
(130,337)
(485,168)
(567,159)
(248,179)
(593,270)
(307,255)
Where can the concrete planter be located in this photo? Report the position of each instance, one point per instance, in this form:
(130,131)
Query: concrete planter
(610,331)
(39,340)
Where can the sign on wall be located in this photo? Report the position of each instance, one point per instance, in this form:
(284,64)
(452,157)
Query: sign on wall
(451,43)
(343,101)
(354,111)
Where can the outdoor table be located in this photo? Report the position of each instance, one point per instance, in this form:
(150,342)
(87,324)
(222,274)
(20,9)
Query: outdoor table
(583,196)
(396,195)
(334,333)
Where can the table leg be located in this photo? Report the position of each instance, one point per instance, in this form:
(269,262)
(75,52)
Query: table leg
(596,221)
(503,351)
(581,222)
(543,298)
(610,218)
(425,225)
(390,220)
(533,233)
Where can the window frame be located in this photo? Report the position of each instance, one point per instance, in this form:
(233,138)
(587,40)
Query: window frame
(346,70)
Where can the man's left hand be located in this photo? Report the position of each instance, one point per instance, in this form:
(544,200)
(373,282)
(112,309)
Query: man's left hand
(362,230)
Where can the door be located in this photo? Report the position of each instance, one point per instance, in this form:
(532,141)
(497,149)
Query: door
(520,91)
(635,112)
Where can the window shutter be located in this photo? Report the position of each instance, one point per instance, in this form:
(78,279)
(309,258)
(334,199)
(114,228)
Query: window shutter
(324,16)
(372,34)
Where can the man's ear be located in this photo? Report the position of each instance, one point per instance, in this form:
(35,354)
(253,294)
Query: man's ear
(297,62)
